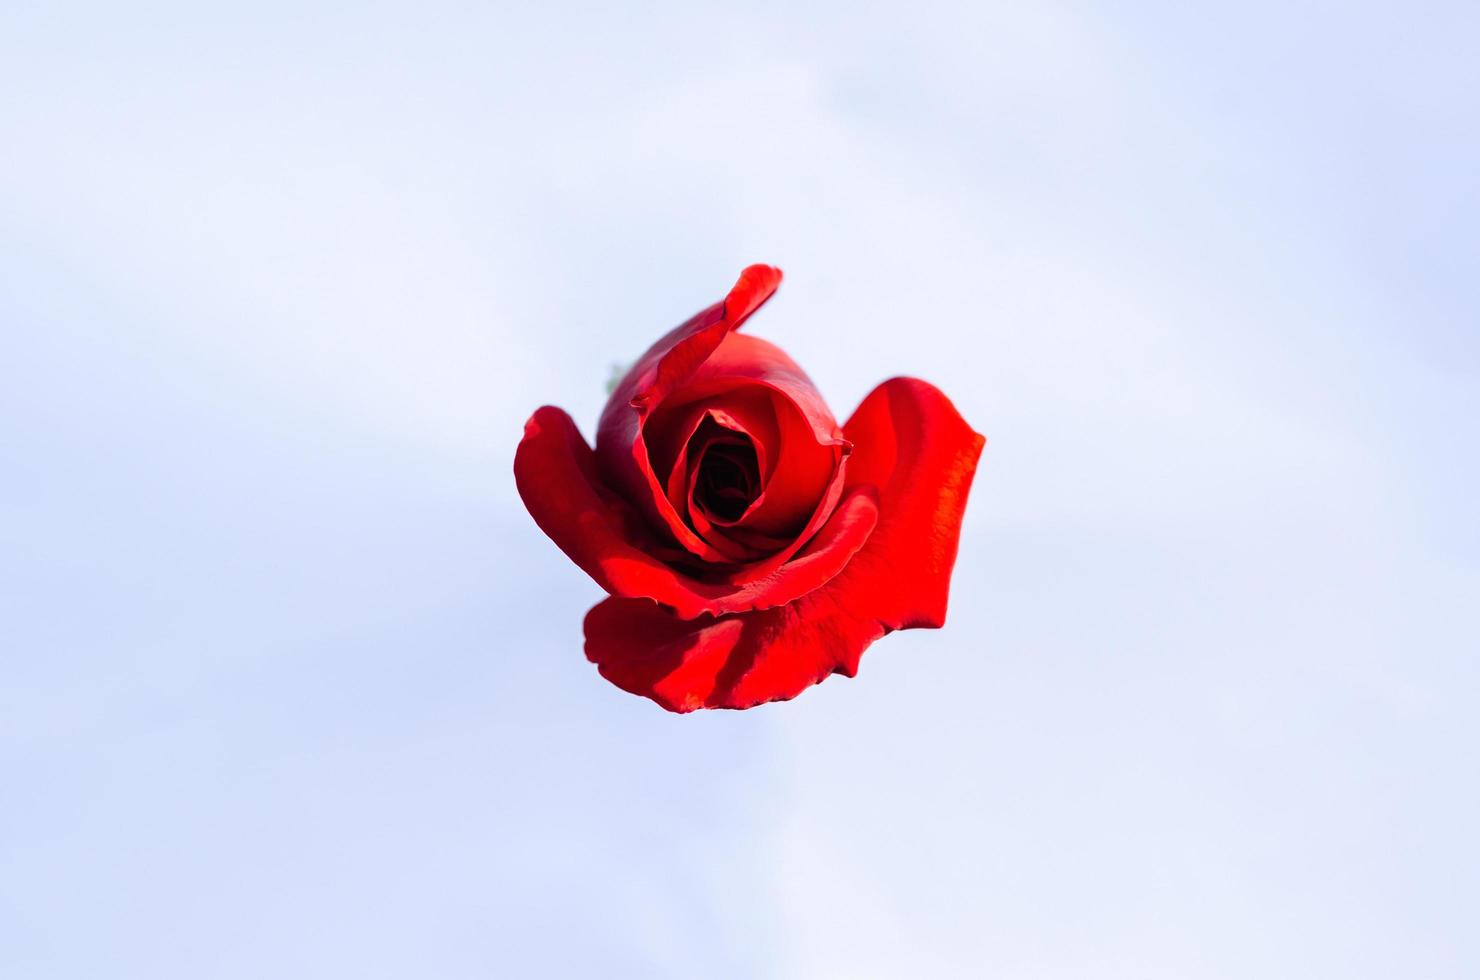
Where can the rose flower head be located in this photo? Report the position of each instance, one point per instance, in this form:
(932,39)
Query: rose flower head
(750,544)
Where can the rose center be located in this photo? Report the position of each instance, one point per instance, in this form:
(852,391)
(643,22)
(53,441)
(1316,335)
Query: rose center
(728,479)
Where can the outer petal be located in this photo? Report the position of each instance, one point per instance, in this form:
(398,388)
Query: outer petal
(557,478)
(922,457)
(909,443)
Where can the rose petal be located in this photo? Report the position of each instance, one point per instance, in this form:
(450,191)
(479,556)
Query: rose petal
(725,662)
(914,447)
(922,457)
(741,357)
(775,582)
(557,477)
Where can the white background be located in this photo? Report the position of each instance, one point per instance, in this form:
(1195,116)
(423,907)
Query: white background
(291,686)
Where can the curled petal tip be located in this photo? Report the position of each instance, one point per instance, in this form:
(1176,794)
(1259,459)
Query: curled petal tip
(754,287)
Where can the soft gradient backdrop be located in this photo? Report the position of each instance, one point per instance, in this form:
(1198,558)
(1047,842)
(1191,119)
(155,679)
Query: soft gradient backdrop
(291,686)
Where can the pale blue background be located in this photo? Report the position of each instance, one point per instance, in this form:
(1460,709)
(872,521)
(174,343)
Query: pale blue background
(290,685)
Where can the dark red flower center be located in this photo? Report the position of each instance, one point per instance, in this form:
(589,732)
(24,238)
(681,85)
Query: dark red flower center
(728,479)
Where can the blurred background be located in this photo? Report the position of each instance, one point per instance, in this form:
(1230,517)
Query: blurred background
(291,686)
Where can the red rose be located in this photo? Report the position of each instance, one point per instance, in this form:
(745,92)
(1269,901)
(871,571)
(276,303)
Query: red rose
(751,546)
